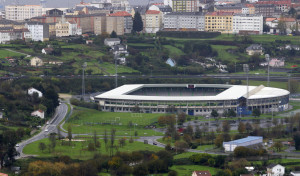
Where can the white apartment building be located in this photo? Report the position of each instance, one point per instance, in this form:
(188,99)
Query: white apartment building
(247,23)
(184,20)
(38,31)
(10,34)
(22,12)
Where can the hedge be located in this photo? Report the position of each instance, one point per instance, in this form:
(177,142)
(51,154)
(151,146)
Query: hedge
(188,34)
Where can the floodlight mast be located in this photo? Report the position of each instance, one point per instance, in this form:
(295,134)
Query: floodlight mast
(246,69)
(267,56)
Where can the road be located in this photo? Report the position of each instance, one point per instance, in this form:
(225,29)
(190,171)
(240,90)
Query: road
(260,77)
(59,115)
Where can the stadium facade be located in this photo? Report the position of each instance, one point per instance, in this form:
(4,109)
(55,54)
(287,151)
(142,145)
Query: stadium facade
(193,99)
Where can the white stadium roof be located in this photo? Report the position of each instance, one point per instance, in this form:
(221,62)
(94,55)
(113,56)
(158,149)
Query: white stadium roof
(232,92)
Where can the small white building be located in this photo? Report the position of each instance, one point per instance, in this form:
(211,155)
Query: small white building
(38,113)
(171,62)
(275,170)
(33,90)
(112,41)
(36,62)
(248,141)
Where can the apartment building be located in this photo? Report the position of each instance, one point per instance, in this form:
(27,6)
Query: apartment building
(153,21)
(266,10)
(219,22)
(234,8)
(38,31)
(184,21)
(248,9)
(115,23)
(8,34)
(185,6)
(128,22)
(281,5)
(69,28)
(247,23)
(99,25)
(22,12)
(84,21)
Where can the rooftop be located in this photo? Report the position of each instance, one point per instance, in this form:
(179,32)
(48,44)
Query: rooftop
(120,13)
(220,13)
(232,92)
(243,140)
(152,12)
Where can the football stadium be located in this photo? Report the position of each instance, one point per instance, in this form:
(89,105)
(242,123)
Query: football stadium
(193,99)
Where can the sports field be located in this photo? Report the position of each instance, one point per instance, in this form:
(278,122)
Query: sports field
(85,121)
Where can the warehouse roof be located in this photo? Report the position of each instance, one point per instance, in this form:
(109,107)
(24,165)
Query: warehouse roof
(243,140)
(232,92)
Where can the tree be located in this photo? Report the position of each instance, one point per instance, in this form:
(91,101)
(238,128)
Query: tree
(52,139)
(219,141)
(137,22)
(181,146)
(292,12)
(278,146)
(294,86)
(226,126)
(297,140)
(42,146)
(112,141)
(256,112)
(249,127)
(198,132)
(113,34)
(140,170)
(231,113)
(172,173)
(70,133)
(189,130)
(241,127)
(105,139)
(282,25)
(214,113)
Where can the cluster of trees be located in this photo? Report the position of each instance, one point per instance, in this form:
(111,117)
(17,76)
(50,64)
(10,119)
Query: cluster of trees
(84,104)
(208,160)
(137,163)
(244,152)
(18,105)
(8,141)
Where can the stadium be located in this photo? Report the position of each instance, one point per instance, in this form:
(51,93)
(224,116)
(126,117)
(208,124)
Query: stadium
(193,99)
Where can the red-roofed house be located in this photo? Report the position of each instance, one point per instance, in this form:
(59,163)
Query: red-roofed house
(127,20)
(201,173)
(153,21)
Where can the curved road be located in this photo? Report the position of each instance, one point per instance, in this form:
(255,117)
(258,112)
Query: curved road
(59,115)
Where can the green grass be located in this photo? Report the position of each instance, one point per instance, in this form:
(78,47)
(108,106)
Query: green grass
(187,170)
(184,155)
(4,53)
(223,54)
(174,51)
(277,84)
(205,147)
(78,150)
(85,120)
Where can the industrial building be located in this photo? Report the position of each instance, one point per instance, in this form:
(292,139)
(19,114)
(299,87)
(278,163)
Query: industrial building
(193,99)
(245,142)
